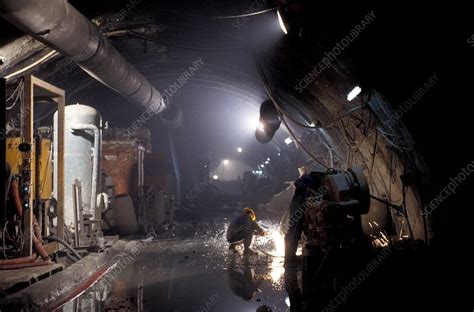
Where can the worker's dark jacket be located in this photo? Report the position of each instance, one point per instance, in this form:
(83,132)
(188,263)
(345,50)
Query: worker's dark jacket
(242,227)
(305,183)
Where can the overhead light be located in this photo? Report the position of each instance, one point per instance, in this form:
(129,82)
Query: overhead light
(239,149)
(279,154)
(225,162)
(262,166)
(252,122)
(268,159)
(288,141)
(282,23)
(355,92)
(215,177)
(269,122)
(267,162)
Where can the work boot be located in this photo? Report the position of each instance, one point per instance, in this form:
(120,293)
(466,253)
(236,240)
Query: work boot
(249,252)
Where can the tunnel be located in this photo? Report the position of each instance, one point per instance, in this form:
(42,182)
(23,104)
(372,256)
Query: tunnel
(245,155)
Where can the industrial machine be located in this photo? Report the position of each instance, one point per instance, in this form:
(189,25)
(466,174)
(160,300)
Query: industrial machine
(54,200)
(333,214)
(52,176)
(335,242)
(31,212)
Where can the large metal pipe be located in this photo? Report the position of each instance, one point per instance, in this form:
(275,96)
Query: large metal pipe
(60,26)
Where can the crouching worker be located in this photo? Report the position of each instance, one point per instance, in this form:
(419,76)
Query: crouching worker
(242,230)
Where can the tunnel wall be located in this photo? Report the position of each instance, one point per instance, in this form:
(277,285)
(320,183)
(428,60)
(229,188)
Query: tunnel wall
(375,139)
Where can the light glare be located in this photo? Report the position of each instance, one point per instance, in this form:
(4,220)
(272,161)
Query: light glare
(355,92)
(282,24)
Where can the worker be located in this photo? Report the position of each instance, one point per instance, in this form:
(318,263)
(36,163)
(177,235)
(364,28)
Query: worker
(306,185)
(242,230)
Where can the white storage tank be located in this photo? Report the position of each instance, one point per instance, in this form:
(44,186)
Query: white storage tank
(82,155)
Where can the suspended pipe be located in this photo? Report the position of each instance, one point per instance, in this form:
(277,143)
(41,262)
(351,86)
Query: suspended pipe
(58,25)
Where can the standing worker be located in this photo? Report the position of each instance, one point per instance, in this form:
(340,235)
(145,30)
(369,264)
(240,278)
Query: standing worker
(242,229)
(306,185)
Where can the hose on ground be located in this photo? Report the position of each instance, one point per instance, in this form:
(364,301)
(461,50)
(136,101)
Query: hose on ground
(70,257)
(24,265)
(62,242)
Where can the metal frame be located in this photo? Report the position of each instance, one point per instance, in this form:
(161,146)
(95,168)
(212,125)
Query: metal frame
(31,84)
(3,140)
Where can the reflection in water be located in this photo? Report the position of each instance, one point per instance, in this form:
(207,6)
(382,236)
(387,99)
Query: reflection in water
(276,266)
(242,279)
(185,275)
(274,247)
(123,292)
(292,286)
(277,270)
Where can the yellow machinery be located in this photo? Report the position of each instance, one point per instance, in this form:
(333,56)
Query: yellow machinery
(42,166)
(30,157)
(44,169)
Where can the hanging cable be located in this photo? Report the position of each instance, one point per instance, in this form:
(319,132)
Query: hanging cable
(402,149)
(217,16)
(373,153)
(398,208)
(45,58)
(245,15)
(302,145)
(18,94)
(15,91)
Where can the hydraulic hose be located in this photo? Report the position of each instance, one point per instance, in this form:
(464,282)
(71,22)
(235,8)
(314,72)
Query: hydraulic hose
(62,242)
(24,265)
(18,260)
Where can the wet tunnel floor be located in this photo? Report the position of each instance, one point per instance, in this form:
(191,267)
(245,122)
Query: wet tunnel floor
(199,273)
(196,274)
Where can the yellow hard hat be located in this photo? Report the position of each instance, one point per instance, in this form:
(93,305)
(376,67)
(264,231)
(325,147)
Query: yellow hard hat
(250,211)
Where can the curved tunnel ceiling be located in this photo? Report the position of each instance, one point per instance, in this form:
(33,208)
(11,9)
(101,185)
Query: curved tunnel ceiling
(179,33)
